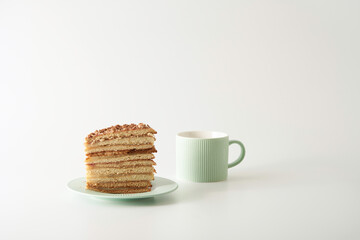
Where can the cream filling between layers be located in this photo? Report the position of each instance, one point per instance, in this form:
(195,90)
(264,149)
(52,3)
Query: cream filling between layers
(107,159)
(118,148)
(122,178)
(120,190)
(120,184)
(131,163)
(122,152)
(124,141)
(97,172)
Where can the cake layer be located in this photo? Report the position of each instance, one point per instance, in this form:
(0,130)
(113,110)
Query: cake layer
(120,190)
(119,131)
(131,163)
(124,141)
(109,172)
(134,184)
(121,152)
(122,178)
(107,159)
(118,148)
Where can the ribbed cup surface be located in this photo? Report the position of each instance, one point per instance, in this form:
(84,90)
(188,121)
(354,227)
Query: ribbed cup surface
(202,160)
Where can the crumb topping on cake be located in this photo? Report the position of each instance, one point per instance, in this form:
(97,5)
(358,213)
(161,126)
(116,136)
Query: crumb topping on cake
(116,129)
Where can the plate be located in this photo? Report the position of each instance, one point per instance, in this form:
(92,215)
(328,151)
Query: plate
(160,186)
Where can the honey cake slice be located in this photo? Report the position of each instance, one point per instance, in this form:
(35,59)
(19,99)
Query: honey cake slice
(120,159)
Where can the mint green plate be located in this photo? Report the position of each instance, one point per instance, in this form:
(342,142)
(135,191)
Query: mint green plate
(160,186)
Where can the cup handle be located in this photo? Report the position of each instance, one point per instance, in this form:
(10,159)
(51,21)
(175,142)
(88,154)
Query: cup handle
(242,154)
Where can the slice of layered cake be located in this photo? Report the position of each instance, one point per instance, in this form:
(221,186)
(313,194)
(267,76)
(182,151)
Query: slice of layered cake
(120,159)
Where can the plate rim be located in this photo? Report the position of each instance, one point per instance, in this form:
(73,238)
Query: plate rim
(122,195)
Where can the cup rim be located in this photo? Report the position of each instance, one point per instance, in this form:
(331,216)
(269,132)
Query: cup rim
(183,134)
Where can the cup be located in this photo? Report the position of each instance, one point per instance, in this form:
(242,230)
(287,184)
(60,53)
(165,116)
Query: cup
(202,156)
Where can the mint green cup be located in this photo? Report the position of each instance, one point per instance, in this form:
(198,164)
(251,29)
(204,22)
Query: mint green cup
(202,156)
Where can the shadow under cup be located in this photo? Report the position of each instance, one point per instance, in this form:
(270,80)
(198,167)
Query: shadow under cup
(202,156)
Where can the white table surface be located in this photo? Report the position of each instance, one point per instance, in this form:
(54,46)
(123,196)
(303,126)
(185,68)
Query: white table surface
(276,201)
(281,76)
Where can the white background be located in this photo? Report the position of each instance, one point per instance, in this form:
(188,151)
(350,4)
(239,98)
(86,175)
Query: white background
(281,76)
